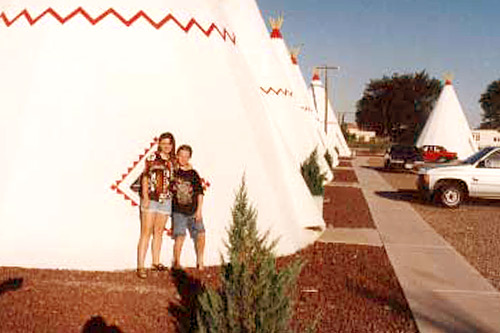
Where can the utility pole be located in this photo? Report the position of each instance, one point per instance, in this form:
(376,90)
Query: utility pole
(325,68)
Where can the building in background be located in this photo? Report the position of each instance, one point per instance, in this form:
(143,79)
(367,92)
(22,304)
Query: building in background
(359,134)
(486,137)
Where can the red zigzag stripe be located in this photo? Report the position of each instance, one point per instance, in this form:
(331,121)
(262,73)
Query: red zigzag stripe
(224,34)
(115,186)
(285,92)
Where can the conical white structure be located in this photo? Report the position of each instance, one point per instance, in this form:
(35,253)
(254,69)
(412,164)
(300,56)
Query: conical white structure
(302,102)
(85,90)
(334,135)
(272,84)
(308,103)
(246,21)
(447,125)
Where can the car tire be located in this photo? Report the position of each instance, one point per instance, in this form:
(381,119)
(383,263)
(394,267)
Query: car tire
(442,160)
(451,195)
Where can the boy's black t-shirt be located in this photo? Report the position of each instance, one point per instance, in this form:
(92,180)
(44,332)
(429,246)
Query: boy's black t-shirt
(186,187)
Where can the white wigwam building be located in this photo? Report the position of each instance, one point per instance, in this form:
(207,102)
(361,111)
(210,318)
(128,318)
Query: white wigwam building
(85,89)
(447,125)
(277,94)
(335,137)
(302,103)
(310,108)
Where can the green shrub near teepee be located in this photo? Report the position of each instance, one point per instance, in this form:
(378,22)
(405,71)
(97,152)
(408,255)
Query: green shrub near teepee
(329,159)
(254,296)
(312,174)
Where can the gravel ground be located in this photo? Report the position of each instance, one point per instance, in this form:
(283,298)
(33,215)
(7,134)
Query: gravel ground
(344,175)
(345,164)
(344,288)
(350,288)
(342,201)
(473,229)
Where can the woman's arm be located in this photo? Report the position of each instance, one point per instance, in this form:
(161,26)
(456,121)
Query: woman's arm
(144,190)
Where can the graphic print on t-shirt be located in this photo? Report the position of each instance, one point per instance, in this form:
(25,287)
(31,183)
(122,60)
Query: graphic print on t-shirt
(184,192)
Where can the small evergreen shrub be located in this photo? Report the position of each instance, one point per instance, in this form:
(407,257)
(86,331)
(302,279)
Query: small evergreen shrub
(254,296)
(329,159)
(312,174)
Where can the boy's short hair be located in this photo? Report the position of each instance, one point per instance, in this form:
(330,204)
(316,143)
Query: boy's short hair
(186,148)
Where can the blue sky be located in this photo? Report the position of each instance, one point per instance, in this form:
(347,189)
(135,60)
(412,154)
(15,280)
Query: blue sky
(372,38)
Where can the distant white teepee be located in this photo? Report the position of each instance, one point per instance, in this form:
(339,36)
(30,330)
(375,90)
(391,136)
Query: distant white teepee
(447,125)
(310,108)
(302,101)
(334,135)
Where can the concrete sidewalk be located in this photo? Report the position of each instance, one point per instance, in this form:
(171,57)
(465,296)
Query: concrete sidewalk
(445,293)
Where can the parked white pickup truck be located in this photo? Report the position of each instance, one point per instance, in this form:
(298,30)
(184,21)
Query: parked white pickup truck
(476,176)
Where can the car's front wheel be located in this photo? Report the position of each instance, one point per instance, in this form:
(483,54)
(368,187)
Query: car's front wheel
(451,195)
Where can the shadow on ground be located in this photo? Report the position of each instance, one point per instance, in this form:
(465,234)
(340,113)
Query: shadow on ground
(414,197)
(446,316)
(11,284)
(377,296)
(186,309)
(411,196)
(97,324)
(390,170)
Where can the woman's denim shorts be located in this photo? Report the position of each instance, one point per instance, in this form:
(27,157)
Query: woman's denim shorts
(164,208)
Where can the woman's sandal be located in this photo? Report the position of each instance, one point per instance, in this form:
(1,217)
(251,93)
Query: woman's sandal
(176,266)
(159,268)
(141,273)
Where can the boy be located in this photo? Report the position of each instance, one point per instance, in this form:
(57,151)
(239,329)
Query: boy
(186,205)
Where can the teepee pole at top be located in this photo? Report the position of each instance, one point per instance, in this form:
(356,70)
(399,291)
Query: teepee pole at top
(326,68)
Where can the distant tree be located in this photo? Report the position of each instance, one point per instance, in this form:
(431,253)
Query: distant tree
(490,103)
(398,106)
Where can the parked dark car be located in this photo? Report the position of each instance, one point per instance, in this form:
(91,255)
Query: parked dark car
(404,156)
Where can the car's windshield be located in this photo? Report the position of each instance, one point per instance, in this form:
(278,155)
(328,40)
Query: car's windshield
(477,156)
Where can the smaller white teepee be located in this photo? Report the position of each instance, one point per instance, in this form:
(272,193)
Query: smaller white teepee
(303,105)
(447,125)
(309,109)
(335,137)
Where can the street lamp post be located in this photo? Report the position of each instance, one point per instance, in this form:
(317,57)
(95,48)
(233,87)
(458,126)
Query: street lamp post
(326,68)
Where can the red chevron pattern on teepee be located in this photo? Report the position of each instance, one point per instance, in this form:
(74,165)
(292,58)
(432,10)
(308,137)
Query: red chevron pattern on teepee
(32,20)
(123,185)
(117,185)
(285,92)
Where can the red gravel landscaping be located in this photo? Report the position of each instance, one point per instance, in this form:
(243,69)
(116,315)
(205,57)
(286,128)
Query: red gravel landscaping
(343,175)
(345,164)
(350,288)
(347,288)
(346,207)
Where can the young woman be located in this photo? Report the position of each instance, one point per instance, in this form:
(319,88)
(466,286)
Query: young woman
(156,201)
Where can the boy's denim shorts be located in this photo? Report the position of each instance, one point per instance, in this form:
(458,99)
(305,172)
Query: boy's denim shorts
(164,208)
(181,222)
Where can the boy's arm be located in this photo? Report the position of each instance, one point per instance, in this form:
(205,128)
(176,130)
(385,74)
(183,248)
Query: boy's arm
(198,215)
